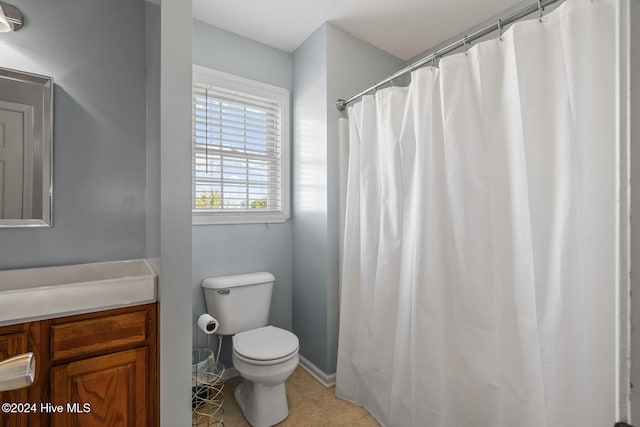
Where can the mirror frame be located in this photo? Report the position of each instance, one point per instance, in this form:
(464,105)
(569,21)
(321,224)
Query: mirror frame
(47,147)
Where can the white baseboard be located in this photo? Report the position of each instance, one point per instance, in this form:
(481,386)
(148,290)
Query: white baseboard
(327,380)
(230,373)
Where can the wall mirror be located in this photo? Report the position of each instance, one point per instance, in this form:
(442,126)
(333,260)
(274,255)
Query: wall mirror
(26,109)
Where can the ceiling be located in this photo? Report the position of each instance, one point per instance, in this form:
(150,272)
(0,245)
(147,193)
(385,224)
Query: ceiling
(404,28)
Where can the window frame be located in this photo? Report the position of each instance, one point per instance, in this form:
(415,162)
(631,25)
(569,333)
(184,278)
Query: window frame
(232,82)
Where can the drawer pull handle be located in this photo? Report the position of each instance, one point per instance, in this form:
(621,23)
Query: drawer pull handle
(17,372)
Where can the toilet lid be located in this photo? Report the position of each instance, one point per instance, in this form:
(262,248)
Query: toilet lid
(265,343)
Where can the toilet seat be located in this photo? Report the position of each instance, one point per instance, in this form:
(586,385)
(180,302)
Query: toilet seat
(265,346)
(264,362)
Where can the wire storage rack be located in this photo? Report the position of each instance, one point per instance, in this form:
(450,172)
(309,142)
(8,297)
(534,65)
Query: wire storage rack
(206,389)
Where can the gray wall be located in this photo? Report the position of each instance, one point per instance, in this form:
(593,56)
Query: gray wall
(232,249)
(224,51)
(168,243)
(309,205)
(96,56)
(153,134)
(633,79)
(329,65)
(175,214)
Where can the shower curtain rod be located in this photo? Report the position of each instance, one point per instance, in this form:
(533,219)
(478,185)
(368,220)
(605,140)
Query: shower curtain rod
(539,6)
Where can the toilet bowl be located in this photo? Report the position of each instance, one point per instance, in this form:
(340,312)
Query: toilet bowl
(265,357)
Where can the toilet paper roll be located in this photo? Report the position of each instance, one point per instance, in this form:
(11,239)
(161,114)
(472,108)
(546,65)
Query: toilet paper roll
(208,324)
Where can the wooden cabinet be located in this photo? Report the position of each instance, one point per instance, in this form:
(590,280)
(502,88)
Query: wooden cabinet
(97,369)
(13,344)
(104,391)
(15,340)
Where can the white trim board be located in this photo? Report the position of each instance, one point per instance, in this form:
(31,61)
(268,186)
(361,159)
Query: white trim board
(327,380)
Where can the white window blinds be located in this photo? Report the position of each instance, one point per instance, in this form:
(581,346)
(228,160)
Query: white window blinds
(237,156)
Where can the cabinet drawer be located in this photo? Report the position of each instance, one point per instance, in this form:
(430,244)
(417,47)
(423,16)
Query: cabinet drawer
(96,335)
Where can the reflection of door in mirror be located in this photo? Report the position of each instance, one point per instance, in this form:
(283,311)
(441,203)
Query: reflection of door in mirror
(16,159)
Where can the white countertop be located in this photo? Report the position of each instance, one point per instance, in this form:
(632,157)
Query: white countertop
(47,292)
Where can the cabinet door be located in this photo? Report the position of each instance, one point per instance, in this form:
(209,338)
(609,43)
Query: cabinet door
(13,345)
(114,386)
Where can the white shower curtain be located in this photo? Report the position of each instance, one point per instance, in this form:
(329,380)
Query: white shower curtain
(478,285)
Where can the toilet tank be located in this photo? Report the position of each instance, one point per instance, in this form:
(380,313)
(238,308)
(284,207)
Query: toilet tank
(240,302)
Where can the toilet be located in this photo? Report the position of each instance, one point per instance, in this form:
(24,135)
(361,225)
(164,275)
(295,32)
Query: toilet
(265,356)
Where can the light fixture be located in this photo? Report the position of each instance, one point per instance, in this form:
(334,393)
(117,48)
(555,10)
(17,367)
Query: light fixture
(10,18)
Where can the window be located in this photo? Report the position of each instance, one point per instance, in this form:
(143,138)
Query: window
(240,160)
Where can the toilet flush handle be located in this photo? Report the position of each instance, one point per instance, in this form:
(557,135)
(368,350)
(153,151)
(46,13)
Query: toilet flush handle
(224,291)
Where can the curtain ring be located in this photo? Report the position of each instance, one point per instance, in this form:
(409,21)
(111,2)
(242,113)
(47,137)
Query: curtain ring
(433,59)
(467,44)
(540,9)
(393,84)
(500,29)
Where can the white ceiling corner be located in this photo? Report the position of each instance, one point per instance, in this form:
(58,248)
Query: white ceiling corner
(404,28)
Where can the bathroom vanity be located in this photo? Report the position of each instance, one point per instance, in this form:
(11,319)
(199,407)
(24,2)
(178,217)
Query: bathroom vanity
(106,359)
(95,365)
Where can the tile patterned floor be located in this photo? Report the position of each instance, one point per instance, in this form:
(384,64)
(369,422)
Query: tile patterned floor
(310,404)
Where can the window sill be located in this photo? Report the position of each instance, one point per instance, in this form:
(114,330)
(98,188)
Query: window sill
(235,218)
